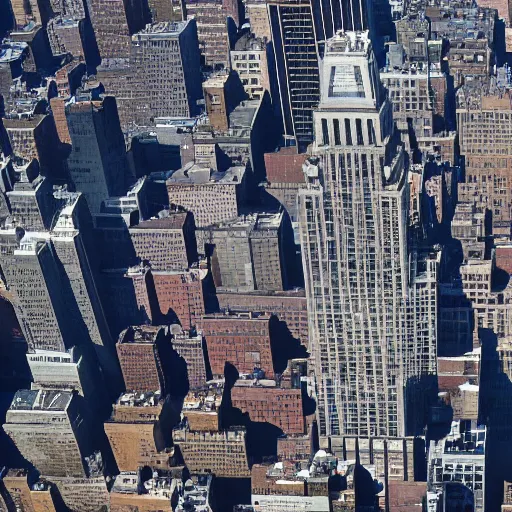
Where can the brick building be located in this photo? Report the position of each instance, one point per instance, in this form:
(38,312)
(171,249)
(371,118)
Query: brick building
(130,431)
(296,447)
(285,177)
(178,296)
(35,137)
(167,243)
(221,453)
(83,494)
(280,407)
(240,339)
(201,408)
(289,307)
(211,196)
(18,494)
(182,294)
(190,346)
(217,22)
(140,359)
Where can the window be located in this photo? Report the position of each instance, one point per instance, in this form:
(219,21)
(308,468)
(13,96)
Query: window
(371,134)
(348,132)
(337,137)
(359,132)
(325,131)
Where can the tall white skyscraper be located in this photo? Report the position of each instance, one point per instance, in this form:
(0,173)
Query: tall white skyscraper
(353,224)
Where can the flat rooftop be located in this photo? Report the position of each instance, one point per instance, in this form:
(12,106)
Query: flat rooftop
(161,30)
(139,334)
(40,400)
(194,174)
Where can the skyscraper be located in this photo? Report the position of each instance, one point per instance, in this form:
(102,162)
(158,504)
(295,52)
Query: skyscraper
(353,228)
(97,163)
(296,90)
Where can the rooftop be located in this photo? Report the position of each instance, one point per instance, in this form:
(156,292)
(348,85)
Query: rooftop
(348,42)
(194,174)
(130,399)
(205,400)
(140,334)
(253,221)
(41,400)
(11,51)
(163,29)
(167,219)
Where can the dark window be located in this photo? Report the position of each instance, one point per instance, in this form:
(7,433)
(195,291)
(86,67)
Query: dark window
(359,132)
(348,132)
(337,137)
(371,134)
(325,131)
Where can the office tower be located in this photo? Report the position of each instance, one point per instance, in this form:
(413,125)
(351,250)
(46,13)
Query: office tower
(296,67)
(34,135)
(71,238)
(97,163)
(167,243)
(50,431)
(162,76)
(114,22)
(31,200)
(353,232)
(252,252)
(25,12)
(211,196)
(456,465)
(484,118)
(64,36)
(33,277)
(243,340)
(24,492)
(331,17)
(249,60)
(217,22)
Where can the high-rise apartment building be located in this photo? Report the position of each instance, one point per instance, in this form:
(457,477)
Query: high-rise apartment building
(353,226)
(97,163)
